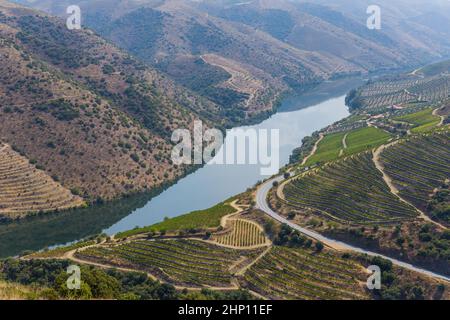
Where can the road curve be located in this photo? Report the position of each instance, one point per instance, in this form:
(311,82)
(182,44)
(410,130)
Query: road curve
(261,203)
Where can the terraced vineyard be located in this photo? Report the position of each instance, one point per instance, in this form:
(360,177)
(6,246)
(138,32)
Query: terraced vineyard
(181,262)
(380,101)
(380,94)
(286,273)
(200,219)
(435,89)
(418,166)
(349,191)
(243,234)
(25,189)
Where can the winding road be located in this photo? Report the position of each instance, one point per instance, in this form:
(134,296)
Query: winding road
(435,113)
(314,149)
(261,203)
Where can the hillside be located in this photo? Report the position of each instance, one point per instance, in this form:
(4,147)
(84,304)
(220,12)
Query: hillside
(89,115)
(25,189)
(378,179)
(398,91)
(187,259)
(435,69)
(273,45)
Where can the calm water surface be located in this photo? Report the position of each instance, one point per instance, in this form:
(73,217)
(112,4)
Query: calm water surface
(298,117)
(215,183)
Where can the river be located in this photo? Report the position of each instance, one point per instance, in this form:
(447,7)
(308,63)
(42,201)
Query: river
(297,117)
(215,183)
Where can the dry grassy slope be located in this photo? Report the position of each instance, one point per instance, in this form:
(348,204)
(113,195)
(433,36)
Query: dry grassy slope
(337,33)
(255,83)
(138,90)
(189,30)
(186,34)
(95,146)
(328,32)
(15,291)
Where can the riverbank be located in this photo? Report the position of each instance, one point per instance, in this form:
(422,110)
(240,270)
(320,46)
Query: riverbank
(201,189)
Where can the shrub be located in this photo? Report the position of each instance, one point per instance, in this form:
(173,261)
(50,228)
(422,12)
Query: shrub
(319,246)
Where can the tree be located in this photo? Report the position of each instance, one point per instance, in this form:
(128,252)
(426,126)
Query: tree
(166,292)
(319,246)
(291,215)
(269,227)
(384,264)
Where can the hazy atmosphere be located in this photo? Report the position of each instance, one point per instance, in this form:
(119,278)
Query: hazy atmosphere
(224,150)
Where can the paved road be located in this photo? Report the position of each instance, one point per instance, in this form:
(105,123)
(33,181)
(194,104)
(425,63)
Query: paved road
(261,203)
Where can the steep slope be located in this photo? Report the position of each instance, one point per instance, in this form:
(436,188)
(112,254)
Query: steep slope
(279,44)
(319,29)
(174,35)
(418,26)
(85,112)
(25,189)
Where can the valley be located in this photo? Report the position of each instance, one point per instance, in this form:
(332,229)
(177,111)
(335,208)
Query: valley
(367,211)
(192,192)
(311,42)
(88,179)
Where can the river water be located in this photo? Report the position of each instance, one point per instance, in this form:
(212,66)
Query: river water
(297,117)
(215,183)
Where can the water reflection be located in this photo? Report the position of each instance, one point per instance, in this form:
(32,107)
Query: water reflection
(199,190)
(35,233)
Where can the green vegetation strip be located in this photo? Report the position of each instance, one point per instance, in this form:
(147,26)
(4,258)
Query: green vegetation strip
(328,149)
(421,121)
(357,140)
(200,219)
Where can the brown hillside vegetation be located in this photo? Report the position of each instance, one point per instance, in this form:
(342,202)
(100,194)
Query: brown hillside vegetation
(15,291)
(86,113)
(259,90)
(23,188)
(295,41)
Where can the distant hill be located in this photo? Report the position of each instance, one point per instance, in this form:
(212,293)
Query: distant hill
(279,45)
(435,69)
